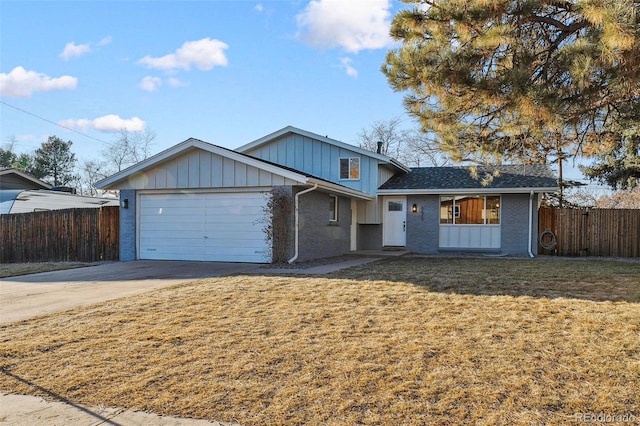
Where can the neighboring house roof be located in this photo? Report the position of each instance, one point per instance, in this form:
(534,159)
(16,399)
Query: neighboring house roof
(16,179)
(23,201)
(506,179)
(302,178)
(290,129)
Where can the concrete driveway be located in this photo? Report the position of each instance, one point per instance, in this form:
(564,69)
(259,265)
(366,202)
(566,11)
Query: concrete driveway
(38,294)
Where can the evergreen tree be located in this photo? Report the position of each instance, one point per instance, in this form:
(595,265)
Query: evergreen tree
(54,162)
(526,80)
(616,158)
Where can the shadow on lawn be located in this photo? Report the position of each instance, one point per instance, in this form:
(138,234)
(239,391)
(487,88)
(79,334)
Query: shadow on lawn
(594,280)
(57,397)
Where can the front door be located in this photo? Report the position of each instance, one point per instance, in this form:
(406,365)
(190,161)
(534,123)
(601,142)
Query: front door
(394,227)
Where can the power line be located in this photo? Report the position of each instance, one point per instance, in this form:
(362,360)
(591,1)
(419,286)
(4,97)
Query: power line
(52,122)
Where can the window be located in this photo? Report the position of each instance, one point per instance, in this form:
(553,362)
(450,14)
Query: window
(350,168)
(333,208)
(395,206)
(470,210)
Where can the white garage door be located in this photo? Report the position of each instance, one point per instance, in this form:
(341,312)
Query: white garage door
(203,226)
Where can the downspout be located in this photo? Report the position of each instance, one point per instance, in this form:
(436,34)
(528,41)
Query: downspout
(530,224)
(296,226)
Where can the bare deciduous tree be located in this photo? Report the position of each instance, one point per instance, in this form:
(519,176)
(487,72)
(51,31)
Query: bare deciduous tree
(90,172)
(411,147)
(130,148)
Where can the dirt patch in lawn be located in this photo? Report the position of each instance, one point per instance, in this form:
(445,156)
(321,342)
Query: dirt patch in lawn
(17,269)
(431,345)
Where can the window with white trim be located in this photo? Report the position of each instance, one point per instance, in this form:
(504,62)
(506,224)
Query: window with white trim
(470,210)
(333,208)
(350,168)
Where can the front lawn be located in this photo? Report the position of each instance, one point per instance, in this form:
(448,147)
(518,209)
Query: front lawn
(16,269)
(400,341)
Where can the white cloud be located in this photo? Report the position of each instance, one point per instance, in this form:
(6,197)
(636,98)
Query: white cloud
(353,25)
(259,7)
(345,63)
(203,54)
(150,84)
(105,41)
(176,82)
(20,83)
(72,49)
(106,123)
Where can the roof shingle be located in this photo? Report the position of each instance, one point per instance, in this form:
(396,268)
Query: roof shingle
(507,177)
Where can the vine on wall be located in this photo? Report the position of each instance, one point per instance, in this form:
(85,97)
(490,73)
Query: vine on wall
(277,223)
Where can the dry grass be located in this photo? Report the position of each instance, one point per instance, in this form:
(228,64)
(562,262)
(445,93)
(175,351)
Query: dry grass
(407,341)
(16,269)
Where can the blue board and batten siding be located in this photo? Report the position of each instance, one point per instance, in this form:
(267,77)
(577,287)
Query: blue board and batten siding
(322,160)
(319,159)
(202,169)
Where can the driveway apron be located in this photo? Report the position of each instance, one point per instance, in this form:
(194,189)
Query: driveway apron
(39,294)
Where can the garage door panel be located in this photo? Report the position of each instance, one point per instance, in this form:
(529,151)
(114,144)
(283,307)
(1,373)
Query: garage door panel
(231,236)
(221,221)
(248,250)
(174,256)
(181,226)
(168,212)
(209,226)
(171,237)
(231,245)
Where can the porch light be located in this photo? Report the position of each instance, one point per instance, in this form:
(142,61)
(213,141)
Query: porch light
(124,203)
(414,208)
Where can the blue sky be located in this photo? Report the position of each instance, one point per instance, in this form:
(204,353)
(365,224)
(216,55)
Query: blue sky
(227,72)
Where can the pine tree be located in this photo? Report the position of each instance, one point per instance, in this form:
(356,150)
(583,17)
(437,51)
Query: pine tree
(526,80)
(54,162)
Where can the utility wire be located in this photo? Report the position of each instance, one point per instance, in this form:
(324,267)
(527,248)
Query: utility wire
(52,122)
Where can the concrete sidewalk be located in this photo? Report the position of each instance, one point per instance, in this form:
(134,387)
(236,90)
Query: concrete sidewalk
(24,410)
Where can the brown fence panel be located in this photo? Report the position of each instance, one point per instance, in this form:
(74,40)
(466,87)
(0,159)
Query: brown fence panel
(80,235)
(590,232)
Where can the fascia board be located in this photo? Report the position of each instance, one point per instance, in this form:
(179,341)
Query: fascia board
(328,186)
(311,135)
(464,191)
(195,143)
(26,176)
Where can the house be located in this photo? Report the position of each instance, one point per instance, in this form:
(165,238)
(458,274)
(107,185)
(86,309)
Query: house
(21,192)
(452,209)
(26,201)
(16,179)
(199,201)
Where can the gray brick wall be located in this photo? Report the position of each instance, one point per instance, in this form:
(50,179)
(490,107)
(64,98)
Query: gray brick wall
(515,228)
(423,226)
(128,226)
(318,237)
(514,221)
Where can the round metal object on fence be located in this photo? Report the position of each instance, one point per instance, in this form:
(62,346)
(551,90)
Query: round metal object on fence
(548,240)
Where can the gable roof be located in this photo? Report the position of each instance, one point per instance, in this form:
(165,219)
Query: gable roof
(437,180)
(16,179)
(290,129)
(112,181)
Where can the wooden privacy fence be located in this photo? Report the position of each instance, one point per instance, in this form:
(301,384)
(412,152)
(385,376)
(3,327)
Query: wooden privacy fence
(589,232)
(71,235)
